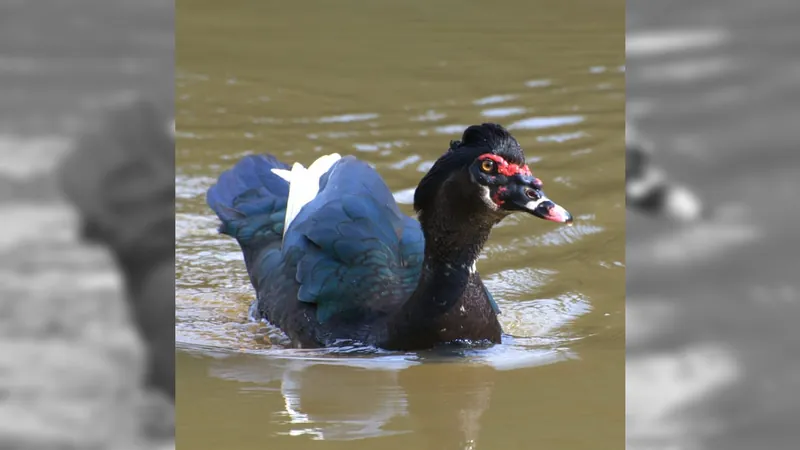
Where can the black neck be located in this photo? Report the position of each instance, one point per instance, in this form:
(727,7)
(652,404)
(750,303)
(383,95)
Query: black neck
(453,242)
(455,231)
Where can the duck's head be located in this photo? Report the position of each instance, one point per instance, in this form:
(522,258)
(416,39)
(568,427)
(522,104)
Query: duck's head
(485,174)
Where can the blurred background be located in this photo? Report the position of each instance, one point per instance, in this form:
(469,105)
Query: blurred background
(712,89)
(392,83)
(72,362)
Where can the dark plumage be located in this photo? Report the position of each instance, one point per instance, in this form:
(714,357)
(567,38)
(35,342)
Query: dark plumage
(650,190)
(352,269)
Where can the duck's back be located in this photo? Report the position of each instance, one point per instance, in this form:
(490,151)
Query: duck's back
(346,260)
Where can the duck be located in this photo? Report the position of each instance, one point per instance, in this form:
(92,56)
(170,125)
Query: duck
(120,179)
(651,191)
(334,262)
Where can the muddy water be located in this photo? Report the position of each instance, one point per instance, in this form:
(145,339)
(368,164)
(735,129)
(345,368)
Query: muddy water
(392,83)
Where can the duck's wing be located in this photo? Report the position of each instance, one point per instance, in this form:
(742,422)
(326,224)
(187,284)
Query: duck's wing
(330,235)
(355,253)
(250,200)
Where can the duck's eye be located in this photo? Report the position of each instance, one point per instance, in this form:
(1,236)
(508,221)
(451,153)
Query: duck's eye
(487,165)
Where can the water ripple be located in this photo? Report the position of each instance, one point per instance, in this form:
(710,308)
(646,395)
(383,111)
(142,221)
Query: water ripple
(535,123)
(492,99)
(345,118)
(503,112)
(538,83)
(450,129)
(375,146)
(429,116)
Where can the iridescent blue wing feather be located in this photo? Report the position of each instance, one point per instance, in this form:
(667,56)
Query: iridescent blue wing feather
(356,252)
(349,252)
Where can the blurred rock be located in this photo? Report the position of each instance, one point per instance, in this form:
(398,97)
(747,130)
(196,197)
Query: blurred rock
(72,363)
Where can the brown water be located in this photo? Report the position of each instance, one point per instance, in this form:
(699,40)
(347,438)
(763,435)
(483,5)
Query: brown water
(392,83)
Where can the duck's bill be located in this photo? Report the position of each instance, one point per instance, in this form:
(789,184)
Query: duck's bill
(546,209)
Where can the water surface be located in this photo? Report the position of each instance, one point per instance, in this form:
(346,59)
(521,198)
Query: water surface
(392,84)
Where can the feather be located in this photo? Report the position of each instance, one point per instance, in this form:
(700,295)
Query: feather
(304,185)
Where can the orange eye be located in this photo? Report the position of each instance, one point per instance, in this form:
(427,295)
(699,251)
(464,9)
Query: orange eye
(487,165)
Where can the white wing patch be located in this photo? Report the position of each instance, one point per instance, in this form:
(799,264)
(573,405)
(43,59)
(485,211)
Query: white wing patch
(303,184)
(283,173)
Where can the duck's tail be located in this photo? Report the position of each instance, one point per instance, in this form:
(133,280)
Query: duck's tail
(304,184)
(259,197)
(256,200)
(250,200)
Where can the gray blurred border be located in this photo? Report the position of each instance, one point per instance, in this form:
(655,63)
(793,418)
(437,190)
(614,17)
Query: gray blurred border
(714,86)
(71,362)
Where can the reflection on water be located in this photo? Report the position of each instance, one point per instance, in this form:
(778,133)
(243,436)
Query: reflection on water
(392,85)
(354,397)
